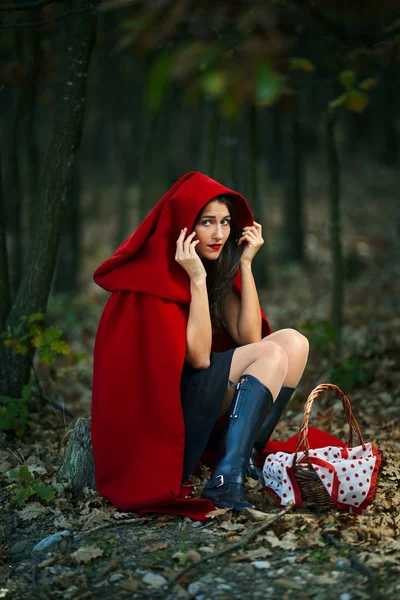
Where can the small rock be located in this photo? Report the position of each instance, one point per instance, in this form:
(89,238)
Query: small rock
(154,580)
(223,586)
(290,559)
(195,587)
(345,596)
(207,579)
(261,564)
(50,540)
(115,577)
(280,572)
(19,547)
(342,562)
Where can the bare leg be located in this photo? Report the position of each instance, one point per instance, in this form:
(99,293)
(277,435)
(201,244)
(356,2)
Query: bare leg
(265,360)
(296,347)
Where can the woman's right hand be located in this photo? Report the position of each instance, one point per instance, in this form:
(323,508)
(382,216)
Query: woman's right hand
(187,256)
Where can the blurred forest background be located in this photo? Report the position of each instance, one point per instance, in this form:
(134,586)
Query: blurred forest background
(103,106)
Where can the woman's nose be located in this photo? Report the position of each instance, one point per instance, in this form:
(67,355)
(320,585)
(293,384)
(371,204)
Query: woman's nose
(218,232)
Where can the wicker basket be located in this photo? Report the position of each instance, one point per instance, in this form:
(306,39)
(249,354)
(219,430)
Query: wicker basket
(312,489)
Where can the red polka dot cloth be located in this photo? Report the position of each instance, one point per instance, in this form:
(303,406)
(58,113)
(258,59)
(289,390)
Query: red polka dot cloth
(349,475)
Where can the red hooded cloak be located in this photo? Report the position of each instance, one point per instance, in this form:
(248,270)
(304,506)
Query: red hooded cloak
(140,347)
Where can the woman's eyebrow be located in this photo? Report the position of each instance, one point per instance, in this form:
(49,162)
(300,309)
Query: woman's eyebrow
(213,217)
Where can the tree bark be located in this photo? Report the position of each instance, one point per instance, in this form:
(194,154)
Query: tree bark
(39,266)
(78,466)
(5,294)
(337,297)
(260,263)
(292,238)
(69,249)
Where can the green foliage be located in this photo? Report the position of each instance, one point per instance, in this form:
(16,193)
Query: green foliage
(350,374)
(320,334)
(214,82)
(26,486)
(268,85)
(301,64)
(354,97)
(30,332)
(14,412)
(159,78)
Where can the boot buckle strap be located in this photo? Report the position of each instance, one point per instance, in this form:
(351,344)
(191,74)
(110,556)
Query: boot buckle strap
(221,477)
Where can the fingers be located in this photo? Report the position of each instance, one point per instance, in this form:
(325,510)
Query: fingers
(184,247)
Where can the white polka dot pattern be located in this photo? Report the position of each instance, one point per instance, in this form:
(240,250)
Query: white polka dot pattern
(348,474)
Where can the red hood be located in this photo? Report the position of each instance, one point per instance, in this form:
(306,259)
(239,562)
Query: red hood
(152,246)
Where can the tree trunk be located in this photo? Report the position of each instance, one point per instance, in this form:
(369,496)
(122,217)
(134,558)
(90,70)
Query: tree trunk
(69,250)
(390,141)
(337,301)
(5,296)
(292,237)
(32,150)
(39,266)
(15,193)
(78,466)
(258,207)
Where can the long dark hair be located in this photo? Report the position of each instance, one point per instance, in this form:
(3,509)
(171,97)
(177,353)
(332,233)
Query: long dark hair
(222,271)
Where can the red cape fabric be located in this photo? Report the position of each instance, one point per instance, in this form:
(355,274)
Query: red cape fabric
(137,422)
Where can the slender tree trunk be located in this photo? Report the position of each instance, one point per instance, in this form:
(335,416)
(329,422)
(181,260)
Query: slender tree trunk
(69,249)
(5,295)
(292,238)
(275,144)
(337,298)
(390,141)
(39,266)
(261,261)
(32,151)
(15,193)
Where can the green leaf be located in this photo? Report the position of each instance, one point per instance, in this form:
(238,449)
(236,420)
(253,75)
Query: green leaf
(301,64)
(356,101)
(214,82)
(230,107)
(268,84)
(160,75)
(347,79)
(43,491)
(338,101)
(368,84)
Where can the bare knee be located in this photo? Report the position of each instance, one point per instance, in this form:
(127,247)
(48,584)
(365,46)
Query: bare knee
(291,340)
(273,358)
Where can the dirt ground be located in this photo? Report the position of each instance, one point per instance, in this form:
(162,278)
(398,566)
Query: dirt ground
(96,551)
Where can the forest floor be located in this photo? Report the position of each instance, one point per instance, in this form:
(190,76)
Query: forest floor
(104,553)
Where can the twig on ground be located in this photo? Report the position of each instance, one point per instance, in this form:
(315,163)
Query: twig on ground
(114,523)
(227,550)
(355,562)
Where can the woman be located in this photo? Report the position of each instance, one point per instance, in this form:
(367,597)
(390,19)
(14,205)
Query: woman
(183,319)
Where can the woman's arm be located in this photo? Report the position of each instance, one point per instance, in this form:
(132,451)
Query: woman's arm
(244,315)
(198,328)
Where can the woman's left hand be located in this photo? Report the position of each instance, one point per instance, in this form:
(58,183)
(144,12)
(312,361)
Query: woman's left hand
(253,241)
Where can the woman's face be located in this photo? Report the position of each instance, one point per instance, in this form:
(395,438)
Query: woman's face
(212,230)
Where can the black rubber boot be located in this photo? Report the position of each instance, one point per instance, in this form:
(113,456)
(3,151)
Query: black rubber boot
(250,404)
(267,429)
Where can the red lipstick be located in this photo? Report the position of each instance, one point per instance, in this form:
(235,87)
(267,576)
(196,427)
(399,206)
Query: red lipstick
(215,246)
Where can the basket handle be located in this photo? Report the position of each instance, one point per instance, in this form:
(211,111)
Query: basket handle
(302,441)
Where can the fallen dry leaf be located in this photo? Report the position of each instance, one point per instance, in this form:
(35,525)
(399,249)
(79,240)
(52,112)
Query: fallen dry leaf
(217,512)
(86,554)
(32,511)
(259,553)
(155,547)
